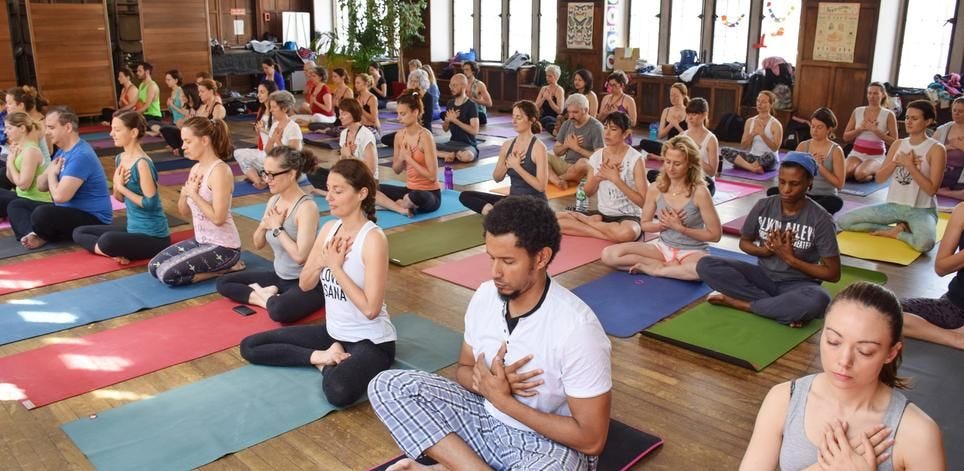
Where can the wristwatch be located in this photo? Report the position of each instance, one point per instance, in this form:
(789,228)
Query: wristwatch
(277,231)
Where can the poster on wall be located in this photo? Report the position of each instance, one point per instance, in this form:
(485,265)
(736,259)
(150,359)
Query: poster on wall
(579,26)
(611,31)
(836,32)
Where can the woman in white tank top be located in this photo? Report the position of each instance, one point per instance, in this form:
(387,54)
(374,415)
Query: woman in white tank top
(350,260)
(915,167)
(851,415)
(762,137)
(871,128)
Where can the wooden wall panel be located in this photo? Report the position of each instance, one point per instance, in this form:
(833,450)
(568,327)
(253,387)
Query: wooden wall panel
(176,36)
(72,56)
(8,69)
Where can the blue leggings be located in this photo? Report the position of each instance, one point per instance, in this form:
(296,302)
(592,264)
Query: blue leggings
(178,264)
(921,221)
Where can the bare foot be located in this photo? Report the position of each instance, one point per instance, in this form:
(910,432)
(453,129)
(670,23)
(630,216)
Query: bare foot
(32,241)
(755,167)
(237,266)
(333,356)
(893,232)
(121,260)
(644,268)
(721,299)
(464,156)
(405,206)
(795,325)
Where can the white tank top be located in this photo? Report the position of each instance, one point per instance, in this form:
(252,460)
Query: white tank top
(759,146)
(903,189)
(345,322)
(881,123)
(704,145)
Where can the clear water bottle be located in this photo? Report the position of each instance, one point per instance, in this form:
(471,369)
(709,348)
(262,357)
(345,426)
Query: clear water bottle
(582,200)
(449,178)
(653,131)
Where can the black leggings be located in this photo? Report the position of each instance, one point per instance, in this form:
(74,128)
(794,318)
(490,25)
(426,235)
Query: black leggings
(343,383)
(172,136)
(832,203)
(710,183)
(476,200)
(51,223)
(6,196)
(425,201)
(115,241)
(650,146)
(319,178)
(289,305)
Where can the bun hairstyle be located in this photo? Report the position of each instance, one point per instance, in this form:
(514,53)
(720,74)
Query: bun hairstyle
(825,115)
(412,98)
(29,97)
(356,173)
(531,113)
(925,107)
(209,84)
(22,119)
(681,87)
(133,120)
(322,73)
(341,73)
(126,71)
(216,130)
(369,81)
(619,77)
(302,161)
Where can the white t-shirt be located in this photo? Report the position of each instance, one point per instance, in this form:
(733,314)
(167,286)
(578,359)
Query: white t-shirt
(903,189)
(562,334)
(610,200)
(291,132)
(363,138)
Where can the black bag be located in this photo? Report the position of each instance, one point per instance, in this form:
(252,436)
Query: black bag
(730,128)
(728,71)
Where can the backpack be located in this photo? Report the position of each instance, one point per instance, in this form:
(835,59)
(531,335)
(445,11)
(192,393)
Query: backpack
(728,71)
(517,60)
(730,128)
(687,59)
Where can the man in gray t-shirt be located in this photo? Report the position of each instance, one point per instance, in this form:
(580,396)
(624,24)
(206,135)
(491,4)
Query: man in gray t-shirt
(578,138)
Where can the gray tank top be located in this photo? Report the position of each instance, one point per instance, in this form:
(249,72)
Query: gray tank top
(691,218)
(821,186)
(284,265)
(517,184)
(797,452)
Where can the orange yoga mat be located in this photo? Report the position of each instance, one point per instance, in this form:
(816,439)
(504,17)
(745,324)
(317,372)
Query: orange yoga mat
(63,267)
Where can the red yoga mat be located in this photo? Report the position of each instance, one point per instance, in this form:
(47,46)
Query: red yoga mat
(79,365)
(63,267)
(471,272)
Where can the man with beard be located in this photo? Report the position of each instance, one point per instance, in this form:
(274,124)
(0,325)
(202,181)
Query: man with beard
(532,389)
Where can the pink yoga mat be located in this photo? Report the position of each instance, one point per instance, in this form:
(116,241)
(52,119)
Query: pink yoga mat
(180,176)
(471,272)
(79,365)
(728,191)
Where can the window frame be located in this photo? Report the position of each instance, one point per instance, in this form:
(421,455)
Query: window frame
(535,28)
(903,8)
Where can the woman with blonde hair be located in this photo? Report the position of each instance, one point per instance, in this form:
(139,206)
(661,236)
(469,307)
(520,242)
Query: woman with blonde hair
(433,90)
(762,136)
(680,208)
(26,164)
(871,128)
(369,103)
(672,121)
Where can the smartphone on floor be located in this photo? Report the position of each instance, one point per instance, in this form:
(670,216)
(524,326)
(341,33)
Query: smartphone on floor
(243,310)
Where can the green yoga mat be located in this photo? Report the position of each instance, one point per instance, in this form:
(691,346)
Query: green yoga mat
(442,238)
(193,425)
(742,338)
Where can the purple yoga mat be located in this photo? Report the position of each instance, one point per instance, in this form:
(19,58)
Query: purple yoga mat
(180,176)
(101,144)
(945,202)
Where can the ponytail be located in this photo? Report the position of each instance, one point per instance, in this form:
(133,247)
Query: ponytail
(216,130)
(357,174)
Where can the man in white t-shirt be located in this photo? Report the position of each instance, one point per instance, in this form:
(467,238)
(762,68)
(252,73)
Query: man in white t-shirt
(533,384)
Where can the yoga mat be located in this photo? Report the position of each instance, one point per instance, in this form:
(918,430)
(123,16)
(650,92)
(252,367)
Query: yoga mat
(435,240)
(936,387)
(389,219)
(62,370)
(241,117)
(322,139)
(625,446)
(472,271)
(108,143)
(175,163)
(97,136)
(740,173)
(863,189)
(178,178)
(25,318)
(489,151)
(10,247)
(870,247)
(63,267)
(552,191)
(92,128)
(742,338)
(195,424)
(470,175)
(244,187)
(498,131)
(615,298)
(945,203)
(733,227)
(728,191)
(256,211)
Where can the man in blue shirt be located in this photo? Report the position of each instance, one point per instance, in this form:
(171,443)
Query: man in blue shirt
(76,182)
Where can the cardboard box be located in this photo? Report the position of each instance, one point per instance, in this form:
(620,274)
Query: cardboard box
(626,58)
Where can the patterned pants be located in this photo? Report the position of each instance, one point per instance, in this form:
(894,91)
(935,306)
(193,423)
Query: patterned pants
(767,160)
(421,408)
(940,312)
(178,264)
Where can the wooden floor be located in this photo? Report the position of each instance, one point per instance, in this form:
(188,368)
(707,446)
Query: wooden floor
(703,408)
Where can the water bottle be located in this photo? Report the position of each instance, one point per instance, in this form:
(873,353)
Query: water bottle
(582,201)
(449,178)
(653,131)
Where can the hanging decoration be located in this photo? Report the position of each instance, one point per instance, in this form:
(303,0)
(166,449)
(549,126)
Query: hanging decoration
(761,44)
(778,32)
(732,24)
(779,19)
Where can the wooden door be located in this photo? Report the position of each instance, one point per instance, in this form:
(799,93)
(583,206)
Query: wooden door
(175,34)
(837,85)
(8,70)
(72,56)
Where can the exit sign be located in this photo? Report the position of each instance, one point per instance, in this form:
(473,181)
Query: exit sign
(237,11)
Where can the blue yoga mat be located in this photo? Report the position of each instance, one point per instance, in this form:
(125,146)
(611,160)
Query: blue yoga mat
(25,318)
(470,175)
(190,426)
(96,136)
(256,211)
(863,189)
(628,304)
(389,219)
(244,188)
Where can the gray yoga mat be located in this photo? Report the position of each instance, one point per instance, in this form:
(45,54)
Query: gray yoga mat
(937,386)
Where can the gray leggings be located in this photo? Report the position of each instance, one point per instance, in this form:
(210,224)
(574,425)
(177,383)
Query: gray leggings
(783,301)
(767,160)
(921,221)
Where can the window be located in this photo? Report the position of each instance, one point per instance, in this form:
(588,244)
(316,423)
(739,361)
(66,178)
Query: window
(644,29)
(780,30)
(547,30)
(520,27)
(490,27)
(731,30)
(927,41)
(686,28)
(462,21)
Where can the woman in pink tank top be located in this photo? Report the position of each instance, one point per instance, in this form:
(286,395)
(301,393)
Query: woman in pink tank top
(206,197)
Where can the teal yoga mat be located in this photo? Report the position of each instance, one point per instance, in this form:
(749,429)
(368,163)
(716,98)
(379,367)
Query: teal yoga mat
(190,426)
(256,211)
(389,219)
(25,318)
(470,175)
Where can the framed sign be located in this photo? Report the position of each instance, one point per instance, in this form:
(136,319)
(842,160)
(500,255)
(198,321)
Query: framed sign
(836,32)
(579,26)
